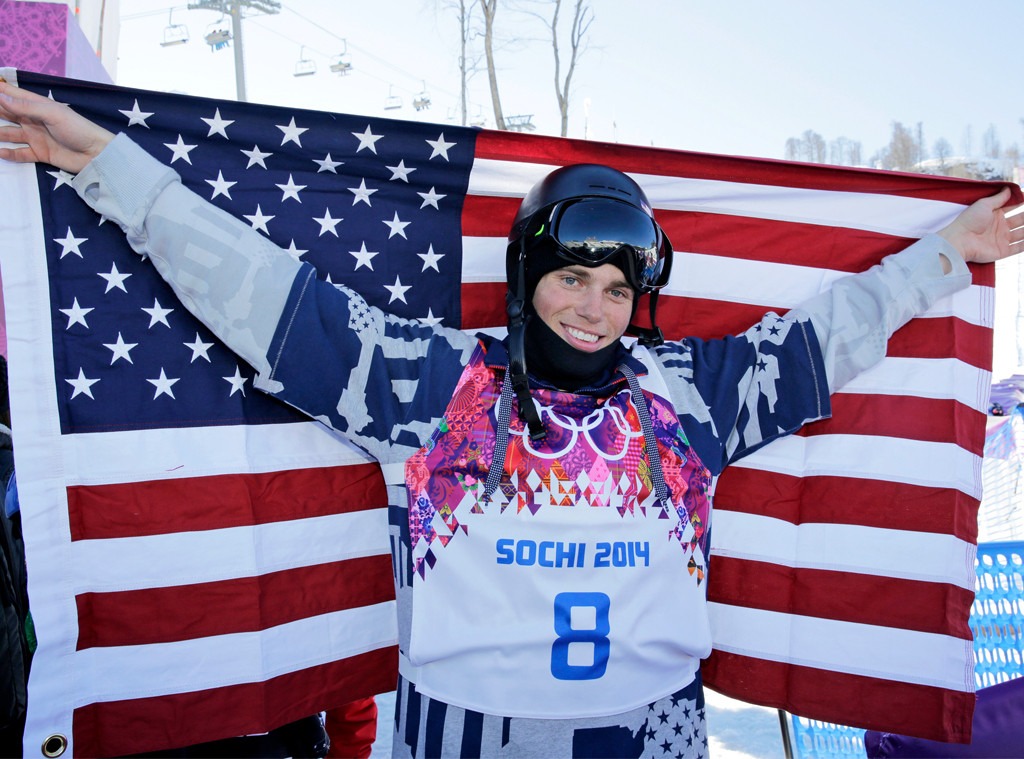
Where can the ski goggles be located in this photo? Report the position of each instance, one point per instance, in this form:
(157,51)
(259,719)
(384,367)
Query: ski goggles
(593,231)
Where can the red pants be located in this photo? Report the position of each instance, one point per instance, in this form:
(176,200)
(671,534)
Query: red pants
(352,728)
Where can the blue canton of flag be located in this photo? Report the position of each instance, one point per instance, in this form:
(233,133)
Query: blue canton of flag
(372,203)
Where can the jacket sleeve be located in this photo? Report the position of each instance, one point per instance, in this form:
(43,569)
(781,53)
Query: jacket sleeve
(736,394)
(855,318)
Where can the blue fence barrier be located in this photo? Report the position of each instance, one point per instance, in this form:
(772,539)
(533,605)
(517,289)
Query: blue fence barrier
(997,622)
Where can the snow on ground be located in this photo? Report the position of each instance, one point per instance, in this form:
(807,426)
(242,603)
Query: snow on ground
(738,730)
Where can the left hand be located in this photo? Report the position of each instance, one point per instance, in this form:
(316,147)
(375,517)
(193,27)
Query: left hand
(982,233)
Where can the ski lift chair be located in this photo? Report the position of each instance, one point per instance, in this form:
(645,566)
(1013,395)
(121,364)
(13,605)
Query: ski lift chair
(174,34)
(217,36)
(342,65)
(392,102)
(422,101)
(304,66)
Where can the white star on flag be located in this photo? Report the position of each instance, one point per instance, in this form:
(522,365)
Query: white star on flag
(258,219)
(361,193)
(199,349)
(70,244)
(430,198)
(430,259)
(76,314)
(440,147)
(217,125)
(367,140)
(82,385)
(162,384)
(430,320)
(256,156)
(158,314)
(136,116)
(237,382)
(294,251)
(364,257)
(291,132)
(120,349)
(401,171)
(180,150)
(62,177)
(397,226)
(291,190)
(114,279)
(327,223)
(220,186)
(397,290)
(327,164)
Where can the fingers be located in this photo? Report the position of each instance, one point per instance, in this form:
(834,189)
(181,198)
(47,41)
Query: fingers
(17,155)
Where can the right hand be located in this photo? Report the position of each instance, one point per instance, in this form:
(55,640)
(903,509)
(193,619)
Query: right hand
(50,132)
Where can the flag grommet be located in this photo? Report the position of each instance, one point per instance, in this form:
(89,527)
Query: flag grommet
(55,745)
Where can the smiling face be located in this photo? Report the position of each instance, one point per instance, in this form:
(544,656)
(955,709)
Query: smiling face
(589,308)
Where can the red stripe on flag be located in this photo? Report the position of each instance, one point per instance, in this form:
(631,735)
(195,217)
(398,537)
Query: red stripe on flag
(525,148)
(243,604)
(847,500)
(929,607)
(488,215)
(933,419)
(115,728)
(936,337)
(872,703)
(483,304)
(943,337)
(231,500)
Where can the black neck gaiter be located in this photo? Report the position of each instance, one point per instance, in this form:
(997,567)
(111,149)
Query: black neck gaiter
(551,359)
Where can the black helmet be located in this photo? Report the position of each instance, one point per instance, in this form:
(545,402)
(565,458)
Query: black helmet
(585,214)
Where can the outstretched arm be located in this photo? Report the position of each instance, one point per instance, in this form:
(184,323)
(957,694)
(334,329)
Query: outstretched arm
(50,131)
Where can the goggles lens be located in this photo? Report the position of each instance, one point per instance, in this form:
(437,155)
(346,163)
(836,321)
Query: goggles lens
(593,230)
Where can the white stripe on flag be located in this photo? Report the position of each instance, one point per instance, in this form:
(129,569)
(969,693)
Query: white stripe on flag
(123,672)
(168,560)
(873,651)
(732,280)
(902,216)
(877,457)
(945,378)
(92,458)
(926,556)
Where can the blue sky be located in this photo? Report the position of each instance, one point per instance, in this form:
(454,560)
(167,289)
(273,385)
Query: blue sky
(722,76)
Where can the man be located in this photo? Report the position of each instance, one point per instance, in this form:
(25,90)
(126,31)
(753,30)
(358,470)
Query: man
(550,491)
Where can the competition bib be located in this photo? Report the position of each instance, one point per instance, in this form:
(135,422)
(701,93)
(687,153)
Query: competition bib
(572,591)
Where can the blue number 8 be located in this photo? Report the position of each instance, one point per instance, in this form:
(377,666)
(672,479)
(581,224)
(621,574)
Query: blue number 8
(598,636)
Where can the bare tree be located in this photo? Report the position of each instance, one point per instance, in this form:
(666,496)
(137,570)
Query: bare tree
(990,142)
(809,147)
(968,141)
(844,152)
(942,150)
(583,17)
(902,151)
(467,67)
(490,9)
(792,149)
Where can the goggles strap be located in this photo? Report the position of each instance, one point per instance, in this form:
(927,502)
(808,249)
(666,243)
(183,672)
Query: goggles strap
(649,337)
(516,309)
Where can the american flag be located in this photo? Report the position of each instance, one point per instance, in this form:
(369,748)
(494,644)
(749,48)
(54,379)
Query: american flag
(205,562)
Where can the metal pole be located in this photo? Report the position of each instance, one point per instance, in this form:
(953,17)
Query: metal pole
(787,745)
(236,33)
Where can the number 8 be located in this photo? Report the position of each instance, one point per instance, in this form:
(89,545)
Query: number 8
(598,636)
